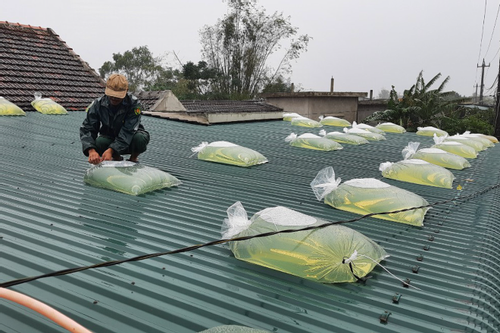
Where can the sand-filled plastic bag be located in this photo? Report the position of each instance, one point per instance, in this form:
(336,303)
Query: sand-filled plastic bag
(8,108)
(489,137)
(334,121)
(418,172)
(333,254)
(47,105)
(128,177)
(290,116)
(369,195)
(305,122)
(430,131)
(391,128)
(454,147)
(370,136)
(341,137)
(477,145)
(368,128)
(435,156)
(312,141)
(228,153)
(487,143)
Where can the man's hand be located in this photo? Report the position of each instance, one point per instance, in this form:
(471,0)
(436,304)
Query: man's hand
(94,157)
(107,155)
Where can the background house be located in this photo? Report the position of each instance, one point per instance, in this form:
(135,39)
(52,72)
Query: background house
(35,59)
(315,104)
(164,104)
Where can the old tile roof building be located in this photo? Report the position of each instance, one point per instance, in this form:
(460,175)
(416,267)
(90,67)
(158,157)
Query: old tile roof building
(164,104)
(36,59)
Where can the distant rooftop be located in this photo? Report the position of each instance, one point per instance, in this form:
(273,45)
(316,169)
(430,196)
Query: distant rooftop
(316,94)
(165,104)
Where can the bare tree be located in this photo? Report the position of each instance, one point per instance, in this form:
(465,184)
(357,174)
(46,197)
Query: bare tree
(239,47)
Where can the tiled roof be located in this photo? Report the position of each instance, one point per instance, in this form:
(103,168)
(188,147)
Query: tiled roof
(50,220)
(149,98)
(226,106)
(35,59)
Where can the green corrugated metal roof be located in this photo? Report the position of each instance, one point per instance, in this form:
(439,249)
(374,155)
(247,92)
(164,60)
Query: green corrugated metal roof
(50,220)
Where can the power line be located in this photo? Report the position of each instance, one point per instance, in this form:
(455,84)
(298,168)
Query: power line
(493,31)
(482,31)
(482,34)
(493,85)
(236,239)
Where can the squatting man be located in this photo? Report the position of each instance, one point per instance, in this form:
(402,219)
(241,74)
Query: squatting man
(112,127)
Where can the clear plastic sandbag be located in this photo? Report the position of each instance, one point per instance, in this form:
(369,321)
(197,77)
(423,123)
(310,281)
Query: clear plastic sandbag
(418,172)
(435,156)
(430,131)
(368,128)
(333,254)
(305,122)
(486,142)
(312,141)
(228,153)
(368,195)
(47,105)
(290,116)
(477,145)
(391,128)
(370,136)
(8,108)
(489,137)
(340,137)
(334,121)
(454,147)
(128,177)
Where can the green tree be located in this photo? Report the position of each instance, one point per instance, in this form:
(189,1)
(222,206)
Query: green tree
(142,69)
(476,120)
(240,45)
(198,79)
(279,85)
(420,105)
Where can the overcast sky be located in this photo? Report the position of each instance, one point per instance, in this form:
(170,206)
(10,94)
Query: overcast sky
(363,44)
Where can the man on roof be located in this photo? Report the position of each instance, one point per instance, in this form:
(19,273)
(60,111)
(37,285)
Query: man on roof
(113,125)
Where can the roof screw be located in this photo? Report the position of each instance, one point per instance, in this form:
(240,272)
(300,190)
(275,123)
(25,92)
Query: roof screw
(396,298)
(431,238)
(427,248)
(420,257)
(415,269)
(384,317)
(406,283)
(436,231)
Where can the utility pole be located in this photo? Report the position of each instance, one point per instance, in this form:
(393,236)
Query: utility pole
(482,82)
(476,98)
(497,105)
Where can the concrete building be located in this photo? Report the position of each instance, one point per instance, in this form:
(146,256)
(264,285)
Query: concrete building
(314,104)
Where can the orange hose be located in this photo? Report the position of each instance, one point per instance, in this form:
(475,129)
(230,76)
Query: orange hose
(44,310)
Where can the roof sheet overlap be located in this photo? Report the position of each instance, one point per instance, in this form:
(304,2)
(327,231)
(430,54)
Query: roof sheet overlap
(51,221)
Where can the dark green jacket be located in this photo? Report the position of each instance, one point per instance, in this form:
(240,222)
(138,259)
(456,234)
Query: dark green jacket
(121,126)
